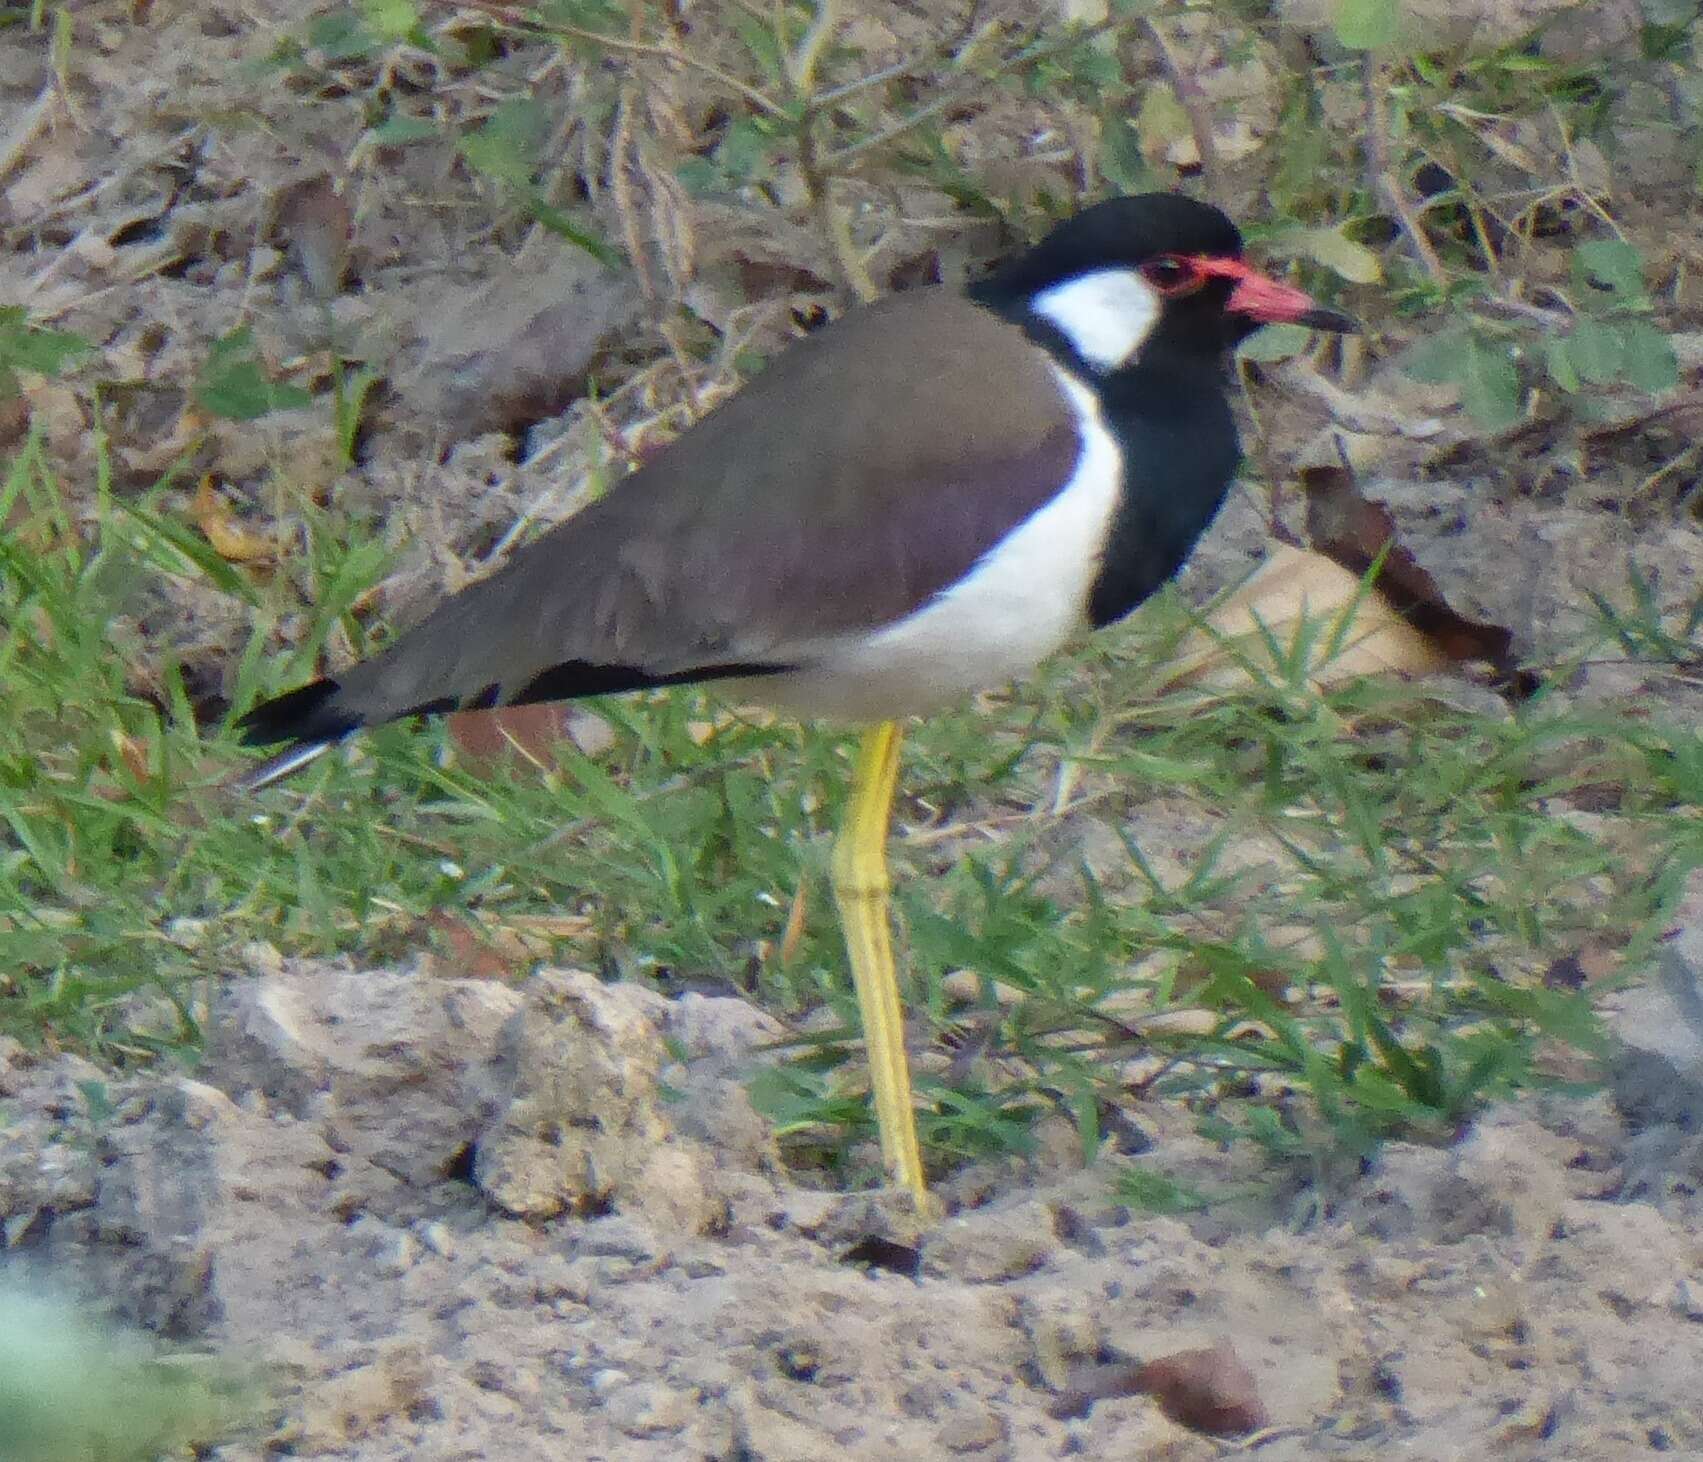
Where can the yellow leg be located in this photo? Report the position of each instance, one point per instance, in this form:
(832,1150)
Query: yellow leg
(861,885)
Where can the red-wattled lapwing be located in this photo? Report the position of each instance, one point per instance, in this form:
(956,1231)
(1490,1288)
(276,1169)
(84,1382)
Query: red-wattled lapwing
(923,499)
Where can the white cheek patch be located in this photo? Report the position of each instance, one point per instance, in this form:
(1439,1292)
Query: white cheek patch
(1105,315)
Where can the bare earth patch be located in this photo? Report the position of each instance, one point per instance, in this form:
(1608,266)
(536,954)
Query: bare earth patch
(332,1196)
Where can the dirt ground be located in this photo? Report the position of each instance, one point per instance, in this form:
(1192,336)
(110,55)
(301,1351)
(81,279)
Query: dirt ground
(454,1219)
(451,1219)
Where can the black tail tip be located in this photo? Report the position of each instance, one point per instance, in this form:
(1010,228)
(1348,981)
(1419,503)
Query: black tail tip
(308,713)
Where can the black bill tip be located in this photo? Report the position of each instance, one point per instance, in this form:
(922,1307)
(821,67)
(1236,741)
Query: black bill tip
(1333,320)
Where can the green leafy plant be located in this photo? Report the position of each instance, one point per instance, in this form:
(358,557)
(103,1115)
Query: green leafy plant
(349,392)
(1484,362)
(1368,25)
(234,382)
(505,148)
(1611,341)
(1151,1192)
(73,1388)
(1644,632)
(25,347)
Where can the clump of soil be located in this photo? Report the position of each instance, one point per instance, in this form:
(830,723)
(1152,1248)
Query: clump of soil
(406,1199)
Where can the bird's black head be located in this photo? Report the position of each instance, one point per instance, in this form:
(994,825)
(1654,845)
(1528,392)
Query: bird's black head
(1156,271)
(1123,233)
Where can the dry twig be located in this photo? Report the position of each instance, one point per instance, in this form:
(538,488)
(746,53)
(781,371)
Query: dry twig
(1195,103)
(1382,173)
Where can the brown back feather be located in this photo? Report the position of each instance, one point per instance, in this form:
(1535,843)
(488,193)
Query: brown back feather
(871,468)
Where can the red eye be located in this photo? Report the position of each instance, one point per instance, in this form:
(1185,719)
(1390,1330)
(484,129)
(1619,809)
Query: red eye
(1171,275)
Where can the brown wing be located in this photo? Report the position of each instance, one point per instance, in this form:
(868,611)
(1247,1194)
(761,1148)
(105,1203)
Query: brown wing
(871,468)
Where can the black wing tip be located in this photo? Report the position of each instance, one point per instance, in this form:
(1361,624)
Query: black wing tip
(308,713)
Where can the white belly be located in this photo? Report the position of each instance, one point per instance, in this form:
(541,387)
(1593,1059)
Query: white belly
(1026,598)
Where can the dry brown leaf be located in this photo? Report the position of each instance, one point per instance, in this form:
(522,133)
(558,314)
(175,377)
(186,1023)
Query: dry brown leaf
(527,732)
(1341,254)
(221,527)
(154,429)
(550,926)
(314,221)
(1318,598)
(133,753)
(1208,1390)
(1201,1022)
(55,412)
(1354,633)
(499,949)
(1514,142)
(1353,532)
(475,953)
(14,421)
(530,732)
(1593,962)
(59,169)
(704,732)
(796,919)
(516,350)
(1167,136)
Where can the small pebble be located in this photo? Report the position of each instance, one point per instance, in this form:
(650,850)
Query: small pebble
(607,1380)
(1688,1299)
(437,1237)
